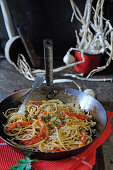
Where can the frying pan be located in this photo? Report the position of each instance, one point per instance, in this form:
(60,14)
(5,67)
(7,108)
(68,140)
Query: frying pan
(51,91)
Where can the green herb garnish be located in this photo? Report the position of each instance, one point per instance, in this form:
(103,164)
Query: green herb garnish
(46,120)
(24,164)
(52,124)
(95,135)
(70,134)
(63,120)
(35,116)
(56,123)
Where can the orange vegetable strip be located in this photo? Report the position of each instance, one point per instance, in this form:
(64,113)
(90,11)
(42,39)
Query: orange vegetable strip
(61,149)
(83,117)
(14,125)
(43,113)
(83,138)
(39,111)
(42,125)
(34,140)
(38,138)
(63,114)
(35,102)
(56,149)
(43,130)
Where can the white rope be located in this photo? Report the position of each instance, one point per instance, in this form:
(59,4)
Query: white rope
(66,81)
(89,79)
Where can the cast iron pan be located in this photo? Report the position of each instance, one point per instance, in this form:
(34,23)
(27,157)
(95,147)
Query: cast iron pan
(51,91)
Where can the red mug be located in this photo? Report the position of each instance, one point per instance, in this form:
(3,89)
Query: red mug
(91,62)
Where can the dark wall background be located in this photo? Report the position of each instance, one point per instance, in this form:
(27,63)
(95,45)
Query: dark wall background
(48,19)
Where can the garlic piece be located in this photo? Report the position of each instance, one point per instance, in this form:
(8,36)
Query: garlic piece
(90,92)
(68,58)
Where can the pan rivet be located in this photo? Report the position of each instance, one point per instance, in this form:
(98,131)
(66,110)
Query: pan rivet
(55,91)
(43,92)
(49,95)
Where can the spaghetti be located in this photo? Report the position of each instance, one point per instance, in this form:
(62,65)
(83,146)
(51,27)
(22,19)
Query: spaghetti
(49,126)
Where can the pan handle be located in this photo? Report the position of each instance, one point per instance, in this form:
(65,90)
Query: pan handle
(7,19)
(48,60)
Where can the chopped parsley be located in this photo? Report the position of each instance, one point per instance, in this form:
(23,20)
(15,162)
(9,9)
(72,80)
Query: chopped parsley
(52,124)
(35,116)
(56,123)
(70,134)
(95,134)
(63,121)
(46,119)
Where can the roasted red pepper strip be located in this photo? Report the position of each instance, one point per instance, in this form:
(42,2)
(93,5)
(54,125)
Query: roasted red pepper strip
(14,125)
(34,140)
(83,117)
(42,125)
(35,102)
(43,130)
(63,114)
(40,122)
(83,138)
(38,138)
(56,149)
